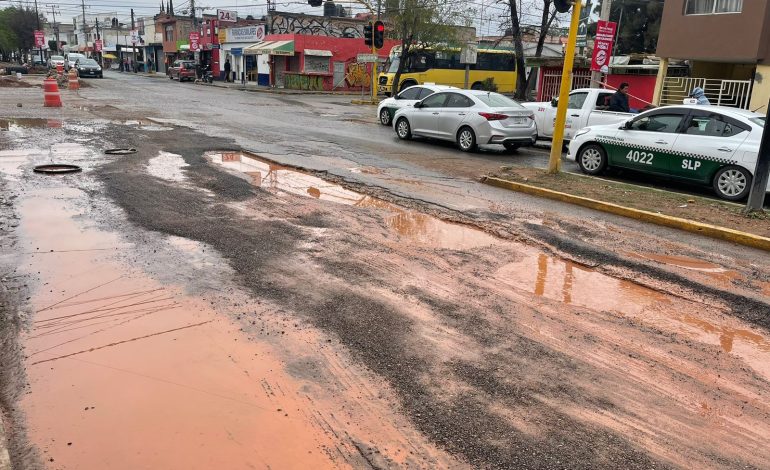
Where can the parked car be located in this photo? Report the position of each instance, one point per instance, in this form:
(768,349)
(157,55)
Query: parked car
(89,68)
(470,118)
(182,70)
(407,98)
(713,145)
(55,60)
(586,107)
(71,58)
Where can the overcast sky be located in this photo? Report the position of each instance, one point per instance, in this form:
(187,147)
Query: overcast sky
(487,19)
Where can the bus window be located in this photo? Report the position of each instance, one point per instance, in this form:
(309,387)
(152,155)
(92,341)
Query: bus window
(419,63)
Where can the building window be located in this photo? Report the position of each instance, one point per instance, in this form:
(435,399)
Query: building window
(169,33)
(314,64)
(711,7)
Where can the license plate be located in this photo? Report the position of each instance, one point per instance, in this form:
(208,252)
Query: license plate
(515,121)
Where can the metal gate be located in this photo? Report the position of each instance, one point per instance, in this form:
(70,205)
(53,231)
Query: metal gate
(550,82)
(339,74)
(733,93)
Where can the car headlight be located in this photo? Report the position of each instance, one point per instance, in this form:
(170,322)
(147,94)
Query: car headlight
(582,131)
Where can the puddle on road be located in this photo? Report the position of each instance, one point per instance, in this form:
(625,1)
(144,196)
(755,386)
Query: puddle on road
(28,123)
(573,284)
(167,166)
(140,375)
(415,226)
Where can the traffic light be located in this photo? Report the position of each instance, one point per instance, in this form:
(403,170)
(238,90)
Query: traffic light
(379,34)
(562,6)
(315,3)
(368,34)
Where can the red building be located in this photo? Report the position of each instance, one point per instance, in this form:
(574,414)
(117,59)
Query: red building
(317,62)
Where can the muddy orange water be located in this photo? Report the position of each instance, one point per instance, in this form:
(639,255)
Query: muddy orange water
(127,373)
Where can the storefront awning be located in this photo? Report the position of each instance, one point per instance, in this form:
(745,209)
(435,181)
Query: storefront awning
(270,47)
(318,52)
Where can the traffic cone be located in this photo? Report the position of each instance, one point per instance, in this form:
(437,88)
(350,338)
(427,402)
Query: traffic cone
(52,98)
(59,69)
(73,80)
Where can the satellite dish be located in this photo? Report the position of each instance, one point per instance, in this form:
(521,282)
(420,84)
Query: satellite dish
(562,6)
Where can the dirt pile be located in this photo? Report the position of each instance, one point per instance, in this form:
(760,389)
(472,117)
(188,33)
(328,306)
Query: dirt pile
(8,82)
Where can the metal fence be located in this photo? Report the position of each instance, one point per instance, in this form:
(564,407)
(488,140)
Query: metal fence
(733,93)
(551,82)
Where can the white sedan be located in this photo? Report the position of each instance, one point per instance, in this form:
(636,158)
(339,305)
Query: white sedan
(407,98)
(712,145)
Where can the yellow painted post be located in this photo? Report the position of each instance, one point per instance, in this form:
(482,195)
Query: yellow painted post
(374,71)
(662,71)
(554,164)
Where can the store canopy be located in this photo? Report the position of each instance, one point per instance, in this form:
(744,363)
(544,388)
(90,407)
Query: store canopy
(270,47)
(318,52)
(109,56)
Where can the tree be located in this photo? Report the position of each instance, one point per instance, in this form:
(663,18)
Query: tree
(639,23)
(520,15)
(17,29)
(425,23)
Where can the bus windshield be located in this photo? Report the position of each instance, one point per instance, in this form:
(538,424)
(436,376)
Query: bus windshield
(394,65)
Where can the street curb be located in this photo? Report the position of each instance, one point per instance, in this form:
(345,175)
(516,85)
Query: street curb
(713,231)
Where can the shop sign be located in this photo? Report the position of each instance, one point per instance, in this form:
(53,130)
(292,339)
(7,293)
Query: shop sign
(39,39)
(98,45)
(195,39)
(605,37)
(255,33)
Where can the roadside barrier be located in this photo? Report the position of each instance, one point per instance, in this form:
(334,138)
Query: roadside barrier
(74,84)
(51,95)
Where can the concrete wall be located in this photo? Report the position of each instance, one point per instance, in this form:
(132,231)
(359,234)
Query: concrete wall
(733,38)
(760,90)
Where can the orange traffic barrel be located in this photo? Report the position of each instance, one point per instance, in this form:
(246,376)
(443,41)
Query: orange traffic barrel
(60,69)
(73,80)
(52,98)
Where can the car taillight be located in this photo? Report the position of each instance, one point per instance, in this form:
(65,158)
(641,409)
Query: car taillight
(493,116)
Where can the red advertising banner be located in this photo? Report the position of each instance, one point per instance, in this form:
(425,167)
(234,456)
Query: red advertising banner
(39,39)
(98,45)
(603,42)
(195,41)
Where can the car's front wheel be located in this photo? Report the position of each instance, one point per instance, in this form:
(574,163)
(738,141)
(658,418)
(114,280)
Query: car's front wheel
(466,139)
(403,129)
(385,117)
(732,183)
(592,159)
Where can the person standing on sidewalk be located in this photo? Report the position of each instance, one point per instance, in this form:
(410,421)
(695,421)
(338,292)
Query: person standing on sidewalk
(228,67)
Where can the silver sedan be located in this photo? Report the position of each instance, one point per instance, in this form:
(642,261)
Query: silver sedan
(470,118)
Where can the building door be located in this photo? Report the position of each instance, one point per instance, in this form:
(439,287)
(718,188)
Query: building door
(339,74)
(280,68)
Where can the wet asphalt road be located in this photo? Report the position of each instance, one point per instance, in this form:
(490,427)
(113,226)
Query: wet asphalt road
(554,346)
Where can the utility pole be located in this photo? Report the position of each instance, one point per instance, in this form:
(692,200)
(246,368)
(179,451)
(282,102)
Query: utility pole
(37,16)
(56,28)
(133,42)
(761,172)
(596,77)
(83,26)
(98,37)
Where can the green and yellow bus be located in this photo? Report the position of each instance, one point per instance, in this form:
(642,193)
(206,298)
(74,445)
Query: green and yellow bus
(443,67)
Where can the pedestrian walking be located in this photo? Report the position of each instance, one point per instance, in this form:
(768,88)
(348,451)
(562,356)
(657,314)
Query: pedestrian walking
(228,67)
(619,101)
(151,65)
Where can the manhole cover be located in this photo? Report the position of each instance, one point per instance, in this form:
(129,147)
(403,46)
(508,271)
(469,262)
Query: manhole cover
(119,151)
(57,168)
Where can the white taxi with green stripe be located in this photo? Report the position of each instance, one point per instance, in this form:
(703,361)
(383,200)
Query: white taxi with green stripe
(407,98)
(712,145)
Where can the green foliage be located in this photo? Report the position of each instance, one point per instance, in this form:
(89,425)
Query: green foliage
(639,25)
(489,84)
(17,29)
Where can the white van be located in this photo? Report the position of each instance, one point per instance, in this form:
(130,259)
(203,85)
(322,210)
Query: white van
(70,59)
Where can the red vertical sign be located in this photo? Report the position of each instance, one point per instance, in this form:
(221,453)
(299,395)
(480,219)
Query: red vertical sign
(605,38)
(195,41)
(98,45)
(39,39)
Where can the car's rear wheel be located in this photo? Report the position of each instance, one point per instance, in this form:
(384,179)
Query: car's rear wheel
(403,129)
(592,159)
(385,117)
(466,139)
(732,183)
(511,146)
